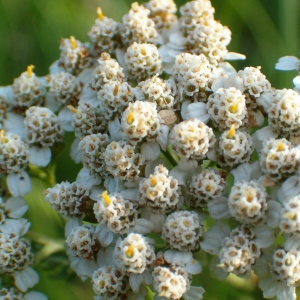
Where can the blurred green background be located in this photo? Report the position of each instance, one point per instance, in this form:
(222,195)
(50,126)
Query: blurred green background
(30,30)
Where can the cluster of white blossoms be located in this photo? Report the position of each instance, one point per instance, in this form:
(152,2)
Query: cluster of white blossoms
(176,159)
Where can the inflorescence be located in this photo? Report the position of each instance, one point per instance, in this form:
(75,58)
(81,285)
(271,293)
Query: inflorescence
(176,158)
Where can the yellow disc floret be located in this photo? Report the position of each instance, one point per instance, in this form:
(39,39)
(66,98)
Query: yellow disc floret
(106,198)
(2,132)
(130,117)
(280,146)
(234,108)
(72,109)
(130,251)
(153,181)
(100,14)
(73,42)
(163,292)
(231,132)
(116,89)
(29,70)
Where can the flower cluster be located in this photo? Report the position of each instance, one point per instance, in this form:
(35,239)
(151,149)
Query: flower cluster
(175,157)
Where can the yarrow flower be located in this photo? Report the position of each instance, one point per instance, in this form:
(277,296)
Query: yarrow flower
(174,156)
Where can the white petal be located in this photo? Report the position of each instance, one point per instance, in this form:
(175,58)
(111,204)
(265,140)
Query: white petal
(234,56)
(104,236)
(14,123)
(177,257)
(181,175)
(16,207)
(19,226)
(296,81)
(120,53)
(95,192)
(157,219)
(114,129)
(184,110)
(218,208)
(150,150)
(246,172)
(273,214)
(232,80)
(105,257)
(25,279)
(166,58)
(257,116)
(187,164)
(19,184)
(113,185)
(39,156)
(142,226)
(83,267)
(51,102)
(290,188)
(135,280)
(168,67)
(86,179)
(264,236)
(287,63)
(162,138)
(54,68)
(262,267)
(75,152)
(217,272)
(212,239)
(262,135)
(194,293)
(64,118)
(177,39)
(193,267)
(72,223)
(89,96)
(288,292)
(140,295)
(130,194)
(224,68)
(197,110)
(150,166)
(86,76)
(271,287)
(292,243)
(33,295)
(7,93)
(265,100)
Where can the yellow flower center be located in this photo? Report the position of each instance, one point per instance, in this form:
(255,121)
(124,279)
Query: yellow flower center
(2,132)
(130,117)
(233,108)
(130,250)
(280,146)
(73,42)
(29,70)
(72,109)
(231,132)
(106,198)
(116,89)
(153,181)
(99,13)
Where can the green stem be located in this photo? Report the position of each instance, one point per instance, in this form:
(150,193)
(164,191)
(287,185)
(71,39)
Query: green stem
(50,245)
